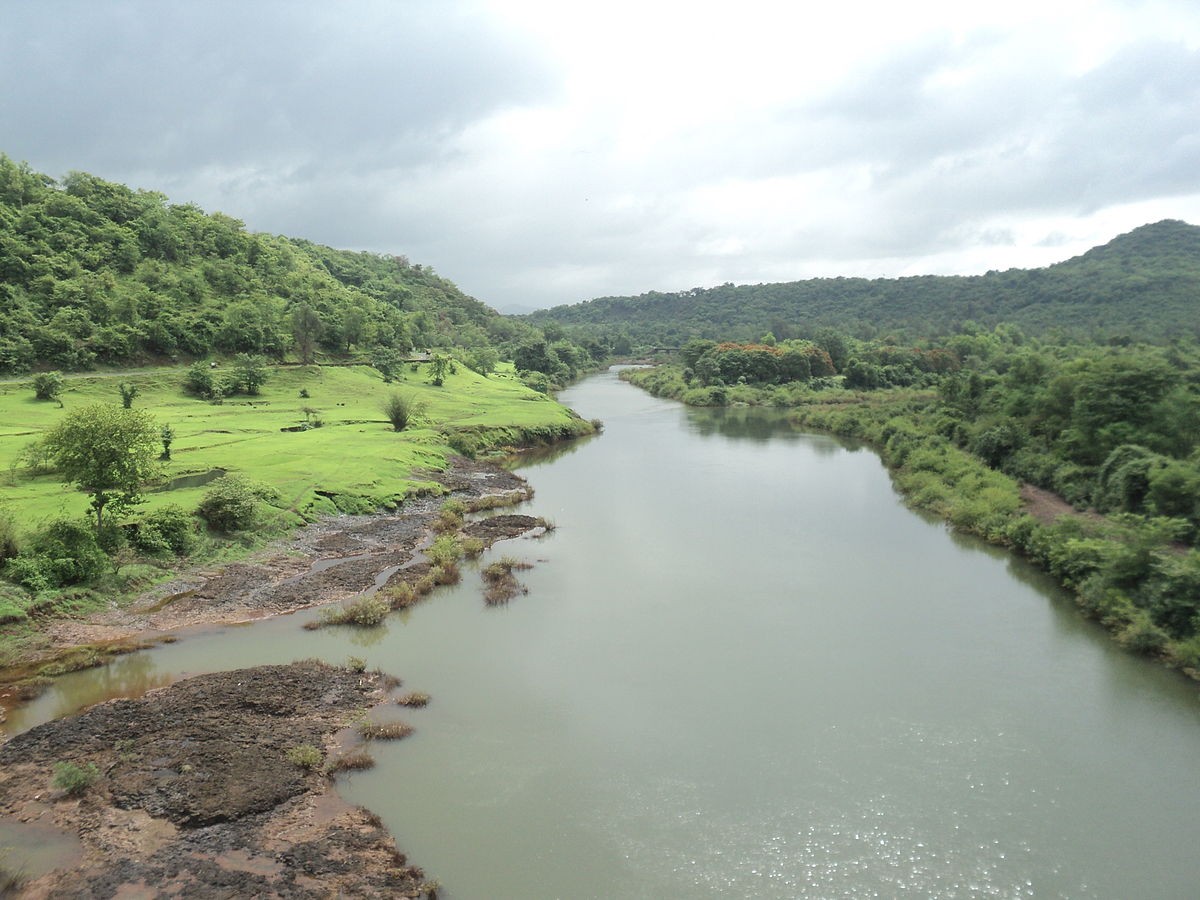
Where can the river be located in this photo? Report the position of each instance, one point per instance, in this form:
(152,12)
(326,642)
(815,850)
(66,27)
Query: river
(744,668)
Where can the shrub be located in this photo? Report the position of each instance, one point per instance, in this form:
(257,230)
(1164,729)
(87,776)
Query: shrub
(444,551)
(366,611)
(414,699)
(400,595)
(401,409)
(306,756)
(73,779)
(1143,636)
(199,380)
(8,538)
(447,573)
(47,385)
(170,529)
(353,761)
(64,552)
(128,393)
(385,731)
(450,517)
(232,503)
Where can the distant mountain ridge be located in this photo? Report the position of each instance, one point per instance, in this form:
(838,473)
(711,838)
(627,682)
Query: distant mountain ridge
(1144,284)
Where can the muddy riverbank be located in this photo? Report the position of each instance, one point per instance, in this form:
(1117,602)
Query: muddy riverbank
(192,792)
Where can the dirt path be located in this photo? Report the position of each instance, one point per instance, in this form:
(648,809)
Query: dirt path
(1046,506)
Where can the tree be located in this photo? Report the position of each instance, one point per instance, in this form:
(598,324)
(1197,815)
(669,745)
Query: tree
(107,451)
(439,368)
(483,360)
(353,323)
(250,373)
(306,328)
(388,362)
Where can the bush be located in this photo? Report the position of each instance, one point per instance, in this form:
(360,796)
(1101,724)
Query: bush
(199,380)
(232,503)
(400,409)
(47,385)
(366,611)
(64,552)
(128,393)
(306,756)
(444,551)
(73,779)
(385,731)
(8,538)
(354,761)
(1143,636)
(450,517)
(400,595)
(170,529)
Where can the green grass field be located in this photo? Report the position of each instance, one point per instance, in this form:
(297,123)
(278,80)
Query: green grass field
(355,455)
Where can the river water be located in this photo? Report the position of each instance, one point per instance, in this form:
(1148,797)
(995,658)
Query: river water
(743,668)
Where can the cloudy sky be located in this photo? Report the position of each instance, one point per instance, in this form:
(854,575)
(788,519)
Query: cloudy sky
(543,151)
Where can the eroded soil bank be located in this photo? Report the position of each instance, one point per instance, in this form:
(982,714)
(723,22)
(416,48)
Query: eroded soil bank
(194,794)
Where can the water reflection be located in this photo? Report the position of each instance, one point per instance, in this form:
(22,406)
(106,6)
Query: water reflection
(742,423)
(540,456)
(368,637)
(762,425)
(126,676)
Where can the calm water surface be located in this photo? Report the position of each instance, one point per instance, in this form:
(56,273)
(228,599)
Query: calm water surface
(743,668)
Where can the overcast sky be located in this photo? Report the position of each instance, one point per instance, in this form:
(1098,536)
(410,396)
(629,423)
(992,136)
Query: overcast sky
(543,151)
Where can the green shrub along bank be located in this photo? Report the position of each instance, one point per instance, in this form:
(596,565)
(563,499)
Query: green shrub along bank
(235,470)
(1131,571)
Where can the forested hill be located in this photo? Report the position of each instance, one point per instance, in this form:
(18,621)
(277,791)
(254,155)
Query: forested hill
(1143,285)
(95,272)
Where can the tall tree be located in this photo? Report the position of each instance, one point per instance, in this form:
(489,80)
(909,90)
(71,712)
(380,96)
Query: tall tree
(306,328)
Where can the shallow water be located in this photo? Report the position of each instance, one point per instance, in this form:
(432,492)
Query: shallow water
(743,668)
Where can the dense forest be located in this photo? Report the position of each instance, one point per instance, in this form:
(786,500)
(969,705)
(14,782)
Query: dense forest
(1141,286)
(96,273)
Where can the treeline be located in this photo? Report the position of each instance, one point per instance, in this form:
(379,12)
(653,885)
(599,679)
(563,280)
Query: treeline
(1113,431)
(1142,285)
(95,273)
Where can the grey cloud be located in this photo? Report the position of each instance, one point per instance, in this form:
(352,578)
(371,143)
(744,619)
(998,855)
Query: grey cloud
(160,86)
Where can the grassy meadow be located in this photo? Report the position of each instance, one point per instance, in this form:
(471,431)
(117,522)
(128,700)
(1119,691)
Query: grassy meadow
(353,457)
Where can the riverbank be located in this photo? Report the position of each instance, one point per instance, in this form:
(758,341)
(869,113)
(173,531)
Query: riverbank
(175,800)
(331,560)
(216,786)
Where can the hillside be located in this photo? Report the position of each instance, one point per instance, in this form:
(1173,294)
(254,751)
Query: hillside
(93,272)
(1144,285)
